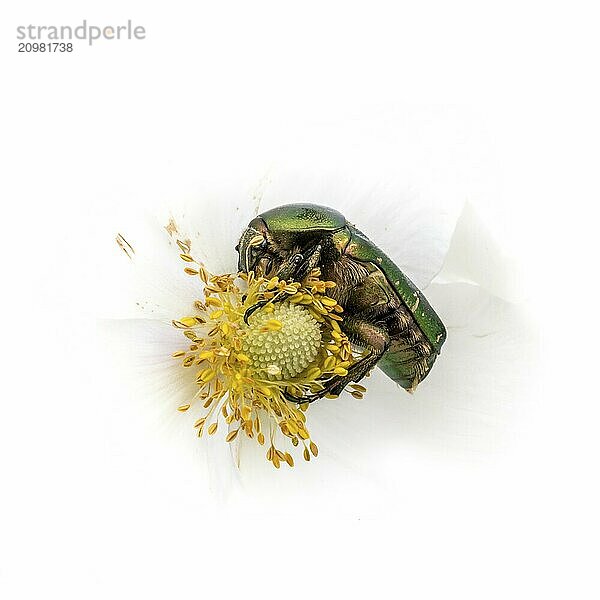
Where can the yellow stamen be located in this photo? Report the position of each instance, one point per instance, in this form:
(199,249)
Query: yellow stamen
(292,346)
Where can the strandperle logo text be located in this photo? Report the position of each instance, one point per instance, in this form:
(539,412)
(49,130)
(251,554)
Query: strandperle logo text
(91,33)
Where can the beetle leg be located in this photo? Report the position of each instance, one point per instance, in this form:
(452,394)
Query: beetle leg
(253,309)
(295,268)
(288,268)
(300,400)
(298,265)
(311,260)
(372,336)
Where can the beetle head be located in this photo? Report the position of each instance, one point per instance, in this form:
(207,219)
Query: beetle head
(259,251)
(268,253)
(280,240)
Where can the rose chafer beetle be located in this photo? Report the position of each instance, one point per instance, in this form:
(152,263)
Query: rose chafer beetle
(384,312)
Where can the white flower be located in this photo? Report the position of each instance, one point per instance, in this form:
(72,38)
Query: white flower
(408,202)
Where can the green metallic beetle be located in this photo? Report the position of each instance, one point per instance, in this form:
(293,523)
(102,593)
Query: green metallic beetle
(384,312)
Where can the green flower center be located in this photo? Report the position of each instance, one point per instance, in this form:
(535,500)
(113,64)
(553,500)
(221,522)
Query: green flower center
(283,342)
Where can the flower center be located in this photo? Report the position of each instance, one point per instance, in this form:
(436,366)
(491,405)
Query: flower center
(256,376)
(283,342)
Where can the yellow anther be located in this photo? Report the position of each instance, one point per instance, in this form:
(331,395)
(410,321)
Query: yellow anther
(302,433)
(358,387)
(207,375)
(313,373)
(272,325)
(292,344)
(189,321)
(210,301)
(292,427)
(328,363)
(273,283)
(328,301)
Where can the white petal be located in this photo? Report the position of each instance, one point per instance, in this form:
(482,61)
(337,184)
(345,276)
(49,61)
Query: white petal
(402,182)
(143,277)
(464,411)
(390,180)
(391,177)
(214,219)
(475,256)
(148,388)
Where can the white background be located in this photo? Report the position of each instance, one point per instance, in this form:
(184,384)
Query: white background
(217,84)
